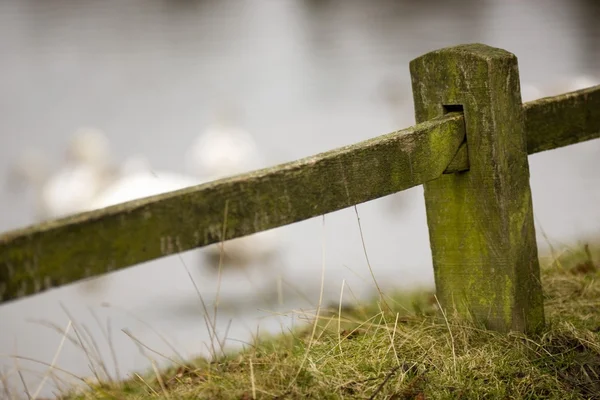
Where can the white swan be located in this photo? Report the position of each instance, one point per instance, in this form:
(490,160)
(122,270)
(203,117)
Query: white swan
(137,180)
(86,173)
(69,190)
(224,149)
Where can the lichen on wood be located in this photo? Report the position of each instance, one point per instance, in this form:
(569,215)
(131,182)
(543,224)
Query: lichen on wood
(66,250)
(553,122)
(558,121)
(481,220)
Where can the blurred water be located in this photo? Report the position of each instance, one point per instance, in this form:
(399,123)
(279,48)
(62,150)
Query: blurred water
(310,76)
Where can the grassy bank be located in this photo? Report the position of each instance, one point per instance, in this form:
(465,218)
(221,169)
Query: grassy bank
(407,351)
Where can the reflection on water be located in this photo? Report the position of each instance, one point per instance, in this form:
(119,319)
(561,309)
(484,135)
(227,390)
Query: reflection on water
(310,76)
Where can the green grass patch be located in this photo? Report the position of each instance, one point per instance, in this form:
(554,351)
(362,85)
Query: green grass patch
(405,350)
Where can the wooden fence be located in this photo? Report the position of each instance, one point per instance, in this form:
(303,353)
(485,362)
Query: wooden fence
(469,150)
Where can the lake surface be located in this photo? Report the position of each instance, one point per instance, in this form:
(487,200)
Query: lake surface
(309,76)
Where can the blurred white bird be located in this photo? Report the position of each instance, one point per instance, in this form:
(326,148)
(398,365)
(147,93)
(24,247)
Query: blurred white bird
(137,180)
(32,167)
(224,149)
(86,171)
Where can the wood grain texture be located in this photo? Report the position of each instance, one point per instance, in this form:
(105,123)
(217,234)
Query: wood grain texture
(558,121)
(63,251)
(481,220)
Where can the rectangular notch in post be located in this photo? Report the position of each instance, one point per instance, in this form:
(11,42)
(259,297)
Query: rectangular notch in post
(460,162)
(453,108)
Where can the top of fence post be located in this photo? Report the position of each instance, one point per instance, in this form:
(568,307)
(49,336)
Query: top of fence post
(481,220)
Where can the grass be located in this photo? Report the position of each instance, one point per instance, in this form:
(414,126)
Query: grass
(405,350)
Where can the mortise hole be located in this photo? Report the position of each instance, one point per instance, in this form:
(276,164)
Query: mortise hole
(453,108)
(458,108)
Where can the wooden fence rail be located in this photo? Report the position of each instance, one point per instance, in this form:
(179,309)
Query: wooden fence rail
(470,150)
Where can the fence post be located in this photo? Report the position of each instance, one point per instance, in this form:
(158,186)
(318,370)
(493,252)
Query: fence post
(481,220)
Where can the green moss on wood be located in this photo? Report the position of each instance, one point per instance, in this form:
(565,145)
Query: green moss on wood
(562,120)
(66,250)
(553,122)
(481,221)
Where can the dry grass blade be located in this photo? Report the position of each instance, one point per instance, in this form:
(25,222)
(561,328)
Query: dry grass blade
(108,337)
(159,379)
(140,344)
(19,372)
(220,274)
(57,329)
(53,363)
(449,332)
(138,376)
(210,326)
(391,334)
(157,374)
(94,359)
(97,352)
(24,384)
(252,379)
(15,356)
(316,322)
(340,317)
(364,246)
(5,385)
(147,325)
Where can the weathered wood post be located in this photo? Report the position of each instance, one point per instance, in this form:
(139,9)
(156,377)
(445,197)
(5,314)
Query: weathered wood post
(481,220)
